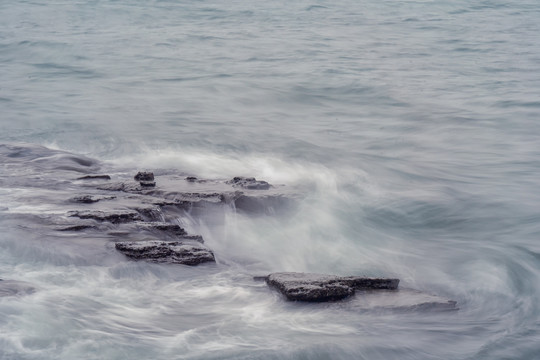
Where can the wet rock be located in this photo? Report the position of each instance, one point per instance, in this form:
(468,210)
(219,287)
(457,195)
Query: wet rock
(172,229)
(197,238)
(89,199)
(119,186)
(147,183)
(319,288)
(15,288)
(113,216)
(249,183)
(76,227)
(94,177)
(144,176)
(270,205)
(149,213)
(174,252)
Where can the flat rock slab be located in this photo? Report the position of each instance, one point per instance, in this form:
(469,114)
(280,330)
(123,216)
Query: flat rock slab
(94,177)
(320,288)
(90,199)
(173,229)
(174,252)
(249,183)
(113,216)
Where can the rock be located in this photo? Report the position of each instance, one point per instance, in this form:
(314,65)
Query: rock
(89,199)
(121,186)
(173,229)
(144,176)
(174,252)
(249,183)
(197,238)
(95,177)
(191,178)
(319,288)
(113,216)
(76,227)
(147,183)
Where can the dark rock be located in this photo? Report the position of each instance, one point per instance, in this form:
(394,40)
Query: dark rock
(86,199)
(147,183)
(319,288)
(150,213)
(197,238)
(95,177)
(77,227)
(191,179)
(174,252)
(249,183)
(173,229)
(144,176)
(89,199)
(113,216)
(128,187)
(262,204)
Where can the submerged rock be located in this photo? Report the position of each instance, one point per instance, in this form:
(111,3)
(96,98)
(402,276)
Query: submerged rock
(75,227)
(401,300)
(95,177)
(174,252)
(319,288)
(113,216)
(14,288)
(169,228)
(249,183)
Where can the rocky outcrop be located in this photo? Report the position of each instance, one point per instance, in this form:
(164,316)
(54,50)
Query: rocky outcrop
(172,229)
(249,183)
(75,227)
(113,216)
(320,288)
(174,252)
(89,199)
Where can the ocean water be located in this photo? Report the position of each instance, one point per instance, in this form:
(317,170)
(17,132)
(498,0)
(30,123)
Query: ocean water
(410,127)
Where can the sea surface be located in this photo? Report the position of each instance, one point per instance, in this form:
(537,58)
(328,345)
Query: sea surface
(412,129)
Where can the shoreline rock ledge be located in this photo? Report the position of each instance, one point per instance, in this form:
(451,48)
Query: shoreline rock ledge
(320,288)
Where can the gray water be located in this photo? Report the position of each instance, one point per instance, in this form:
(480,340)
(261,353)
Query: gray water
(412,126)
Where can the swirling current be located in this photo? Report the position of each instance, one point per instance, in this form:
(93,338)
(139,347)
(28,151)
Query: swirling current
(408,129)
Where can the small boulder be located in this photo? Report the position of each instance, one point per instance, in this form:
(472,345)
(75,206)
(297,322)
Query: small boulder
(144,176)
